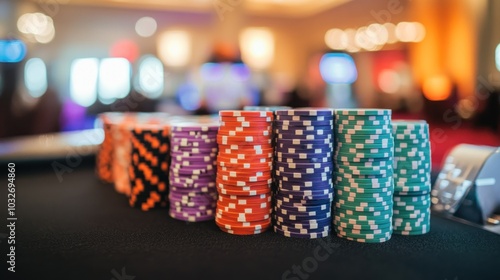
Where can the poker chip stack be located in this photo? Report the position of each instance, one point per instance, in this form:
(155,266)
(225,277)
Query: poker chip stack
(148,170)
(304,145)
(105,153)
(193,194)
(244,165)
(364,175)
(412,187)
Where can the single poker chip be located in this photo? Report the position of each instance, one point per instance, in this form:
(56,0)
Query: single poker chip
(362,221)
(190,218)
(411,199)
(364,122)
(283,135)
(265,108)
(305,112)
(232,224)
(315,151)
(301,235)
(374,214)
(353,224)
(364,240)
(362,202)
(295,215)
(365,232)
(304,123)
(227,126)
(244,232)
(301,196)
(361,208)
(304,118)
(358,156)
(367,237)
(423,230)
(362,112)
(384,145)
(238,113)
(304,224)
(321,229)
(304,148)
(355,127)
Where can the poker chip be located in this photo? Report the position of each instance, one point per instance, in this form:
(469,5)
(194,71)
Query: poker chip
(303,173)
(244,171)
(149,165)
(412,167)
(364,184)
(193,192)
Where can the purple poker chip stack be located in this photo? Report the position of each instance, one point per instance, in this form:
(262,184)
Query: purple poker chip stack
(193,194)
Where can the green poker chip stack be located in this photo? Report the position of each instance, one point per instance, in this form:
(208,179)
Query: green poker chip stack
(412,182)
(364,183)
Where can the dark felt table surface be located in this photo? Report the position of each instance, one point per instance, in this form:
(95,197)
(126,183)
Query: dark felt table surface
(81,228)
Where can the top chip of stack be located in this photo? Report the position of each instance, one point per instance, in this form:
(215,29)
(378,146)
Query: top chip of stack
(363,175)
(193,194)
(412,168)
(244,165)
(304,144)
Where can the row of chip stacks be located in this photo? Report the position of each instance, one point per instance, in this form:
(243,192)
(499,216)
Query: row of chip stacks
(276,168)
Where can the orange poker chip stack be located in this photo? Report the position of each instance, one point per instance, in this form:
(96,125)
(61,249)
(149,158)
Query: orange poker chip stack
(244,170)
(150,162)
(104,156)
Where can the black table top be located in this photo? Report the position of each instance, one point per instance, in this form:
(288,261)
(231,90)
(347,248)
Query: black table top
(81,228)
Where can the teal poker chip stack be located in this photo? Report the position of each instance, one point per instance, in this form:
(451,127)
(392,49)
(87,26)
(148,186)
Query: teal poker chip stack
(412,180)
(364,184)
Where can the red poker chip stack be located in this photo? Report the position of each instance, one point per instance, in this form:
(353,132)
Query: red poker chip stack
(244,170)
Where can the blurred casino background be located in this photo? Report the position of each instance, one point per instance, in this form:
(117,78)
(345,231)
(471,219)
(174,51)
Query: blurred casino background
(62,62)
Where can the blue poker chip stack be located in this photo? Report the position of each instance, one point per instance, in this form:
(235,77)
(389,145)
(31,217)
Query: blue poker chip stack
(363,175)
(412,180)
(303,160)
(193,194)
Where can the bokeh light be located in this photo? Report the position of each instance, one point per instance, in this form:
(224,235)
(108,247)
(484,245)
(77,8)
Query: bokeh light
(391,32)
(389,81)
(257,47)
(336,39)
(35,77)
(338,68)
(146,26)
(12,51)
(150,77)
(125,48)
(497,57)
(38,26)
(83,81)
(114,79)
(437,88)
(174,48)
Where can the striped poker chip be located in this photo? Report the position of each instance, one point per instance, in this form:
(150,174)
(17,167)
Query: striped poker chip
(363,112)
(265,108)
(237,113)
